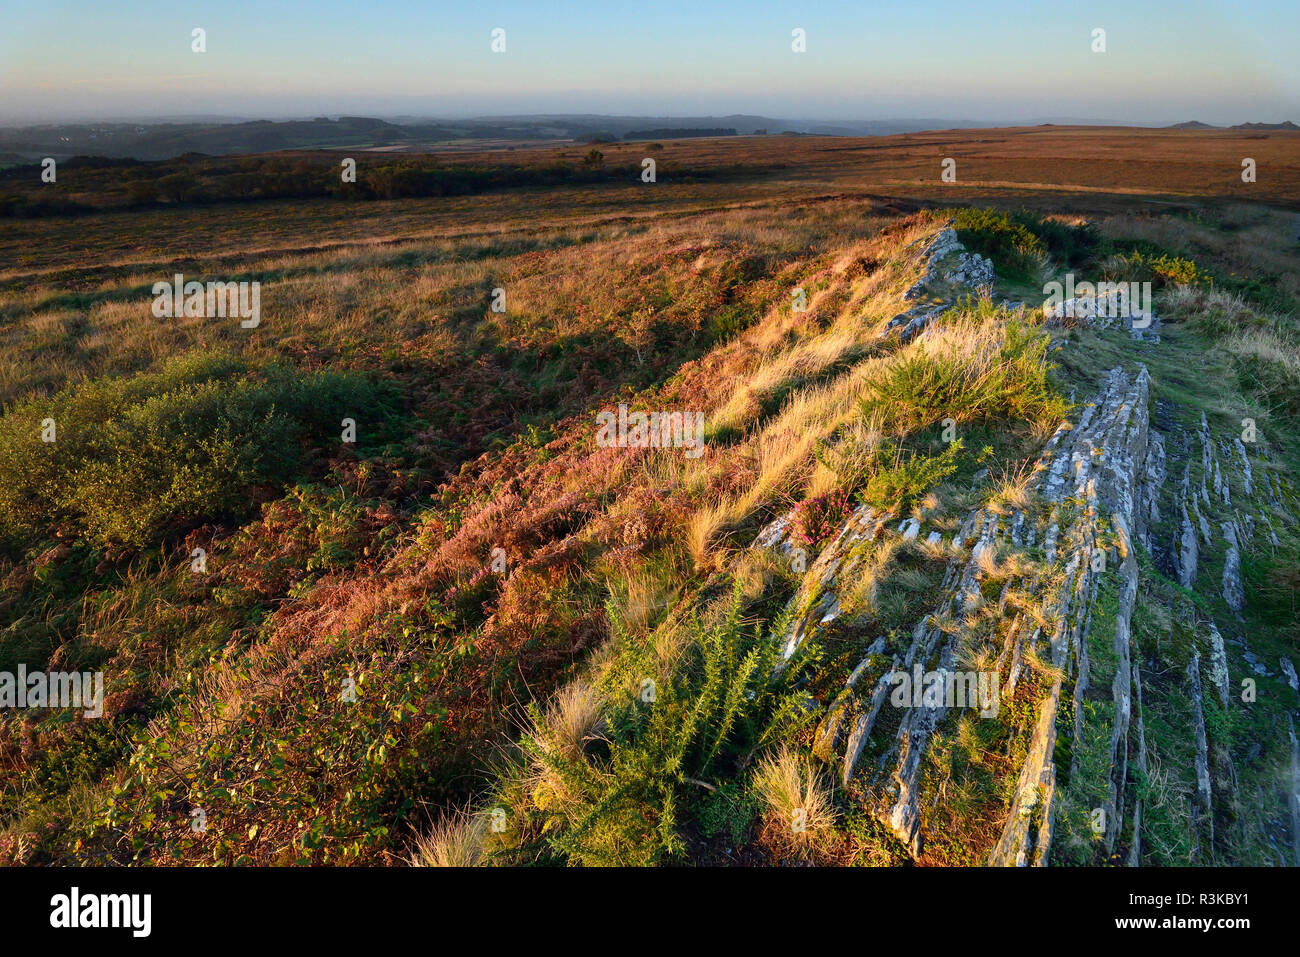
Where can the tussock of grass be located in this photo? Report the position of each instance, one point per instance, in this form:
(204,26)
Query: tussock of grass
(797,801)
(642,596)
(459,840)
(983,365)
(1267,362)
(573,719)
(1011,489)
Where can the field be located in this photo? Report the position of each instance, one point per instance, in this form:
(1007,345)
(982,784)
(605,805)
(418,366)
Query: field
(374,651)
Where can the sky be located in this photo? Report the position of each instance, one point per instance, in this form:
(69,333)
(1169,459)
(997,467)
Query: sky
(997,60)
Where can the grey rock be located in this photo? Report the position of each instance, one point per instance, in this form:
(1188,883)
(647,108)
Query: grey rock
(1234,592)
(1288,669)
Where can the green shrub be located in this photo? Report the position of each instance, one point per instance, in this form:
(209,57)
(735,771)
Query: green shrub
(729,811)
(885,474)
(897,486)
(621,806)
(1073,245)
(1158,268)
(136,458)
(1016,252)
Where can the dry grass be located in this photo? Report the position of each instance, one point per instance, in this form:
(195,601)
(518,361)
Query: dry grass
(641,597)
(1012,490)
(573,719)
(1268,345)
(703,530)
(986,559)
(460,839)
(821,378)
(862,597)
(797,802)
(1206,303)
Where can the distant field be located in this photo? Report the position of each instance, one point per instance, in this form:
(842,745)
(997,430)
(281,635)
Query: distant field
(1008,163)
(1056,168)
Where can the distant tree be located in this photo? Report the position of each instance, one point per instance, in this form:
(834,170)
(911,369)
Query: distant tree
(594,159)
(142,192)
(176,188)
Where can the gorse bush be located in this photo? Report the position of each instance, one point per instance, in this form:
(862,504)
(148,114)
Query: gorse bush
(617,802)
(1156,267)
(884,473)
(900,483)
(1015,250)
(1019,242)
(1074,245)
(135,458)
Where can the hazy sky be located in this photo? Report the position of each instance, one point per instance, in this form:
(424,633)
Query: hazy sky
(1166,60)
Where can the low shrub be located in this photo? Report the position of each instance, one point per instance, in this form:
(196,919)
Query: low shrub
(135,459)
(618,803)
(1016,252)
(1073,245)
(899,484)
(818,518)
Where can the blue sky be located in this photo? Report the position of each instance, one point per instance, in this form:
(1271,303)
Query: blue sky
(1166,60)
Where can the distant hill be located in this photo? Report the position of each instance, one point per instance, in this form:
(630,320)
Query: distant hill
(223,137)
(168,140)
(1287,125)
(674,133)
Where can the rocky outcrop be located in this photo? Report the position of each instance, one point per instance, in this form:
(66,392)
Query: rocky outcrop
(1106,308)
(1027,835)
(1091,485)
(1293,797)
(949,270)
(1234,593)
(1218,664)
(946,260)
(1288,671)
(1107,486)
(817,596)
(910,323)
(1188,552)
